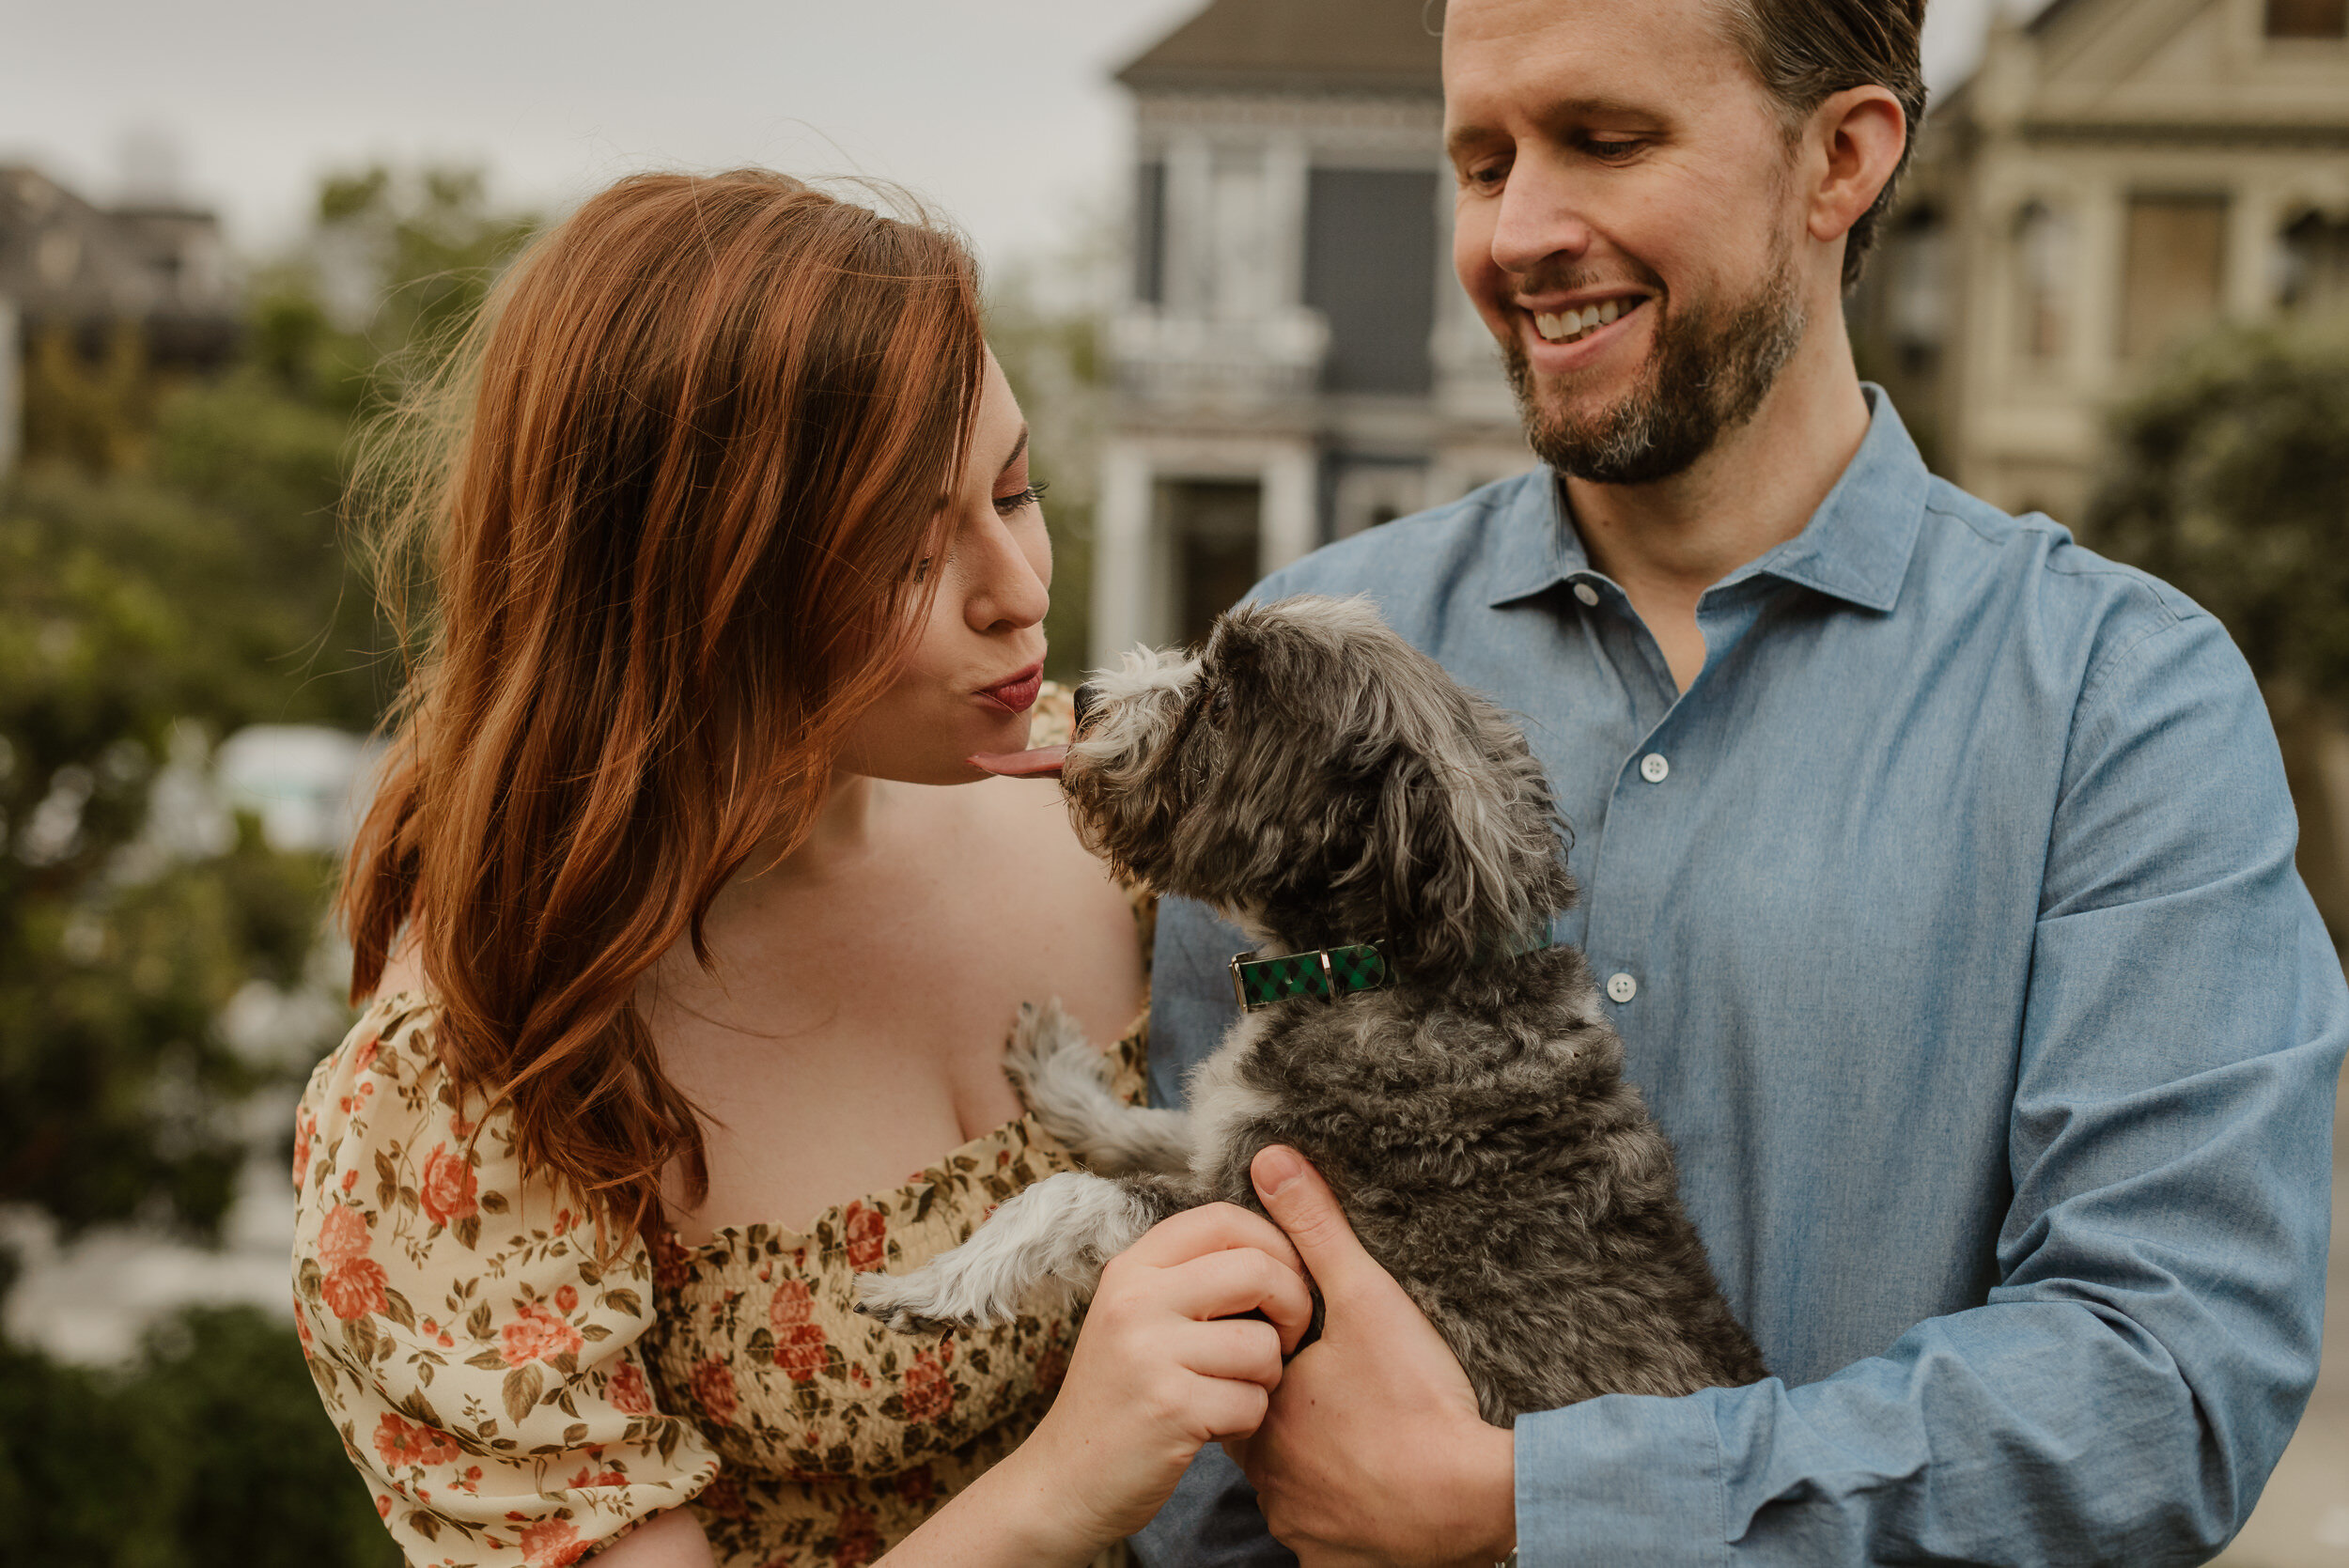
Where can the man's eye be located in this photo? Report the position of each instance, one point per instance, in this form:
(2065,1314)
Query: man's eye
(1613,150)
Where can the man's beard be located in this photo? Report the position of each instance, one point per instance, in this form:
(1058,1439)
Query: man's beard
(1707,372)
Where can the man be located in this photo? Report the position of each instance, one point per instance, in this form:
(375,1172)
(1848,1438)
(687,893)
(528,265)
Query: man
(1938,873)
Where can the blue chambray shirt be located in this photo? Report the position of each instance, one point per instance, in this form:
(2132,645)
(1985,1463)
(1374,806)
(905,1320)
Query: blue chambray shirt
(1950,925)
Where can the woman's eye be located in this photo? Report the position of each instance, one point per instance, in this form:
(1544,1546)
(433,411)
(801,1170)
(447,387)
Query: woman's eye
(1020,501)
(922,569)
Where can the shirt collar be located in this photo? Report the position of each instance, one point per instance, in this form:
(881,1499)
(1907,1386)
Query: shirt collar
(1855,547)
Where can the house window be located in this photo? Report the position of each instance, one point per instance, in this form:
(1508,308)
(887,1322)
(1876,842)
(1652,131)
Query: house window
(1150,234)
(2174,259)
(2307,18)
(1369,267)
(2317,266)
(2043,258)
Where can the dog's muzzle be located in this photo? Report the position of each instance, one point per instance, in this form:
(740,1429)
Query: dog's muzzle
(1086,695)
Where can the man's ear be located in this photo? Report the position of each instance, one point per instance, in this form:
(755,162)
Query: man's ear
(1854,143)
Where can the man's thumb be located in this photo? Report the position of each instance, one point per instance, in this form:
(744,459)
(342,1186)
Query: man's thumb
(1301,1204)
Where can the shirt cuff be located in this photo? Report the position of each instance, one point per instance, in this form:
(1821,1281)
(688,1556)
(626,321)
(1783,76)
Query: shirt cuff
(1624,1480)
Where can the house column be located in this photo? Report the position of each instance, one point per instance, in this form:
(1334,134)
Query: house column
(2248,289)
(1290,523)
(1121,551)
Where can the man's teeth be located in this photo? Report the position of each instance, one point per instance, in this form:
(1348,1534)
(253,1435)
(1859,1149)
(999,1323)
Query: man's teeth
(1573,324)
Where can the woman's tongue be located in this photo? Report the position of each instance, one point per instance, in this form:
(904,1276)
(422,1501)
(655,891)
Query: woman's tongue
(1042,763)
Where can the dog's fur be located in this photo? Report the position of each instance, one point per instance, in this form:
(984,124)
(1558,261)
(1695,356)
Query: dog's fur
(1325,783)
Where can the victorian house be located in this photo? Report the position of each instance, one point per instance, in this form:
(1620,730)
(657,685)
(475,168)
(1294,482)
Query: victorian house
(2116,176)
(1293,361)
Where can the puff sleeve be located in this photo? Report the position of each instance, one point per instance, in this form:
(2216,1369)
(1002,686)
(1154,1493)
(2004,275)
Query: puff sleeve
(485,1374)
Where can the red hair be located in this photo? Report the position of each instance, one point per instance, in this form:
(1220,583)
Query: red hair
(703,430)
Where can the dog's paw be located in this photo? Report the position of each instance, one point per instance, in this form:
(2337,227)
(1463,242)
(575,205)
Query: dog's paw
(904,1304)
(1046,1042)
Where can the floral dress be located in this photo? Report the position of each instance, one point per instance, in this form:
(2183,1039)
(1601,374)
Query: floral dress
(509,1402)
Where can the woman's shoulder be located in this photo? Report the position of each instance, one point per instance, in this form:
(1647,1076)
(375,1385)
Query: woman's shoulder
(466,1336)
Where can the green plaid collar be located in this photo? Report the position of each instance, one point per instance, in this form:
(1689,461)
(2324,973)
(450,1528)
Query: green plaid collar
(1331,972)
(1326,973)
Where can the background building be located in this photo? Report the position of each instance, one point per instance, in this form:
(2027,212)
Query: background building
(76,268)
(1293,361)
(2118,175)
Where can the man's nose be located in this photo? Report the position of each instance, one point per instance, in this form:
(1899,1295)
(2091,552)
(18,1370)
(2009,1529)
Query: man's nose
(1540,221)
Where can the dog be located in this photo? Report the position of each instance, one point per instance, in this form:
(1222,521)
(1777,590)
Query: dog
(1391,845)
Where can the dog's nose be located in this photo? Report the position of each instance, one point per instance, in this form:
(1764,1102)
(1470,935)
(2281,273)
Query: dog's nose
(1086,695)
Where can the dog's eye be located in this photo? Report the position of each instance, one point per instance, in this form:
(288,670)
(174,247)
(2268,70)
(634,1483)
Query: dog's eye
(1219,702)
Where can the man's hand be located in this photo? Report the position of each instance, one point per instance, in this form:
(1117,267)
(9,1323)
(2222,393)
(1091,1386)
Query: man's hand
(1372,1450)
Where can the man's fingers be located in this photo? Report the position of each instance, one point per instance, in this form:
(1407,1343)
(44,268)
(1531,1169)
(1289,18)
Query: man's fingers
(1295,1196)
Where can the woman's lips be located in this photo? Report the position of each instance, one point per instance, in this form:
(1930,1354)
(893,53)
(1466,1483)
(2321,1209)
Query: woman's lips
(1017,694)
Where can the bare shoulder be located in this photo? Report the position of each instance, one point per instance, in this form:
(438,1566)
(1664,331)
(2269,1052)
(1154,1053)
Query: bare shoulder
(1027,820)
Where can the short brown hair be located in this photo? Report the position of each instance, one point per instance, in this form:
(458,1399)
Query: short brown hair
(1807,50)
(693,454)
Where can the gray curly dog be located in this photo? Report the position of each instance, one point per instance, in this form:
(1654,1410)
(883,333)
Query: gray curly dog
(1332,790)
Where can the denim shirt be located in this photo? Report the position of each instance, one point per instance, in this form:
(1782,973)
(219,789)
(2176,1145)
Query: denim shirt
(1949,921)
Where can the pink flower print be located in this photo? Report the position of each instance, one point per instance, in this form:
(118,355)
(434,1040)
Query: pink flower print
(353,1285)
(566,1299)
(800,1343)
(713,1385)
(927,1394)
(306,1128)
(865,1232)
(627,1392)
(589,1476)
(365,1056)
(537,1335)
(860,1539)
(401,1442)
(448,1192)
(551,1543)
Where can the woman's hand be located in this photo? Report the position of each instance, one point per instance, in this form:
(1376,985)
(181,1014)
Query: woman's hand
(1162,1368)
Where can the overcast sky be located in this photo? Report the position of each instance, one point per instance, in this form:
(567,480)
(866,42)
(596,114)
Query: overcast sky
(1001,110)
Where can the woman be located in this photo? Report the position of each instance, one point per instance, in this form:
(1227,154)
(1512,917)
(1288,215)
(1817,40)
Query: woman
(675,940)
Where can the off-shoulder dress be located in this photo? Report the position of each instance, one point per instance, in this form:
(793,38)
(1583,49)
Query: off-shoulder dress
(510,1402)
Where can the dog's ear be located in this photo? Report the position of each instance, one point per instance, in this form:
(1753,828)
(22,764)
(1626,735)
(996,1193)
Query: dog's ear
(1464,844)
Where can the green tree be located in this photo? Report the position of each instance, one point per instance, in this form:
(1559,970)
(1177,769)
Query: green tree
(2230,477)
(171,566)
(208,1452)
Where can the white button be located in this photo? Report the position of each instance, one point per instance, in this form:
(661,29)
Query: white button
(1587,594)
(1622,988)
(1653,768)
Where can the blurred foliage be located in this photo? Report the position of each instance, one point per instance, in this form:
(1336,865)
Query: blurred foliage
(170,571)
(2228,475)
(208,1452)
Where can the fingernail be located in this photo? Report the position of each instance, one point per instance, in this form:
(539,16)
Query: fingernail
(1274,1168)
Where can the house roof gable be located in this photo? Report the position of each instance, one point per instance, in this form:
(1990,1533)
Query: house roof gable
(1383,46)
